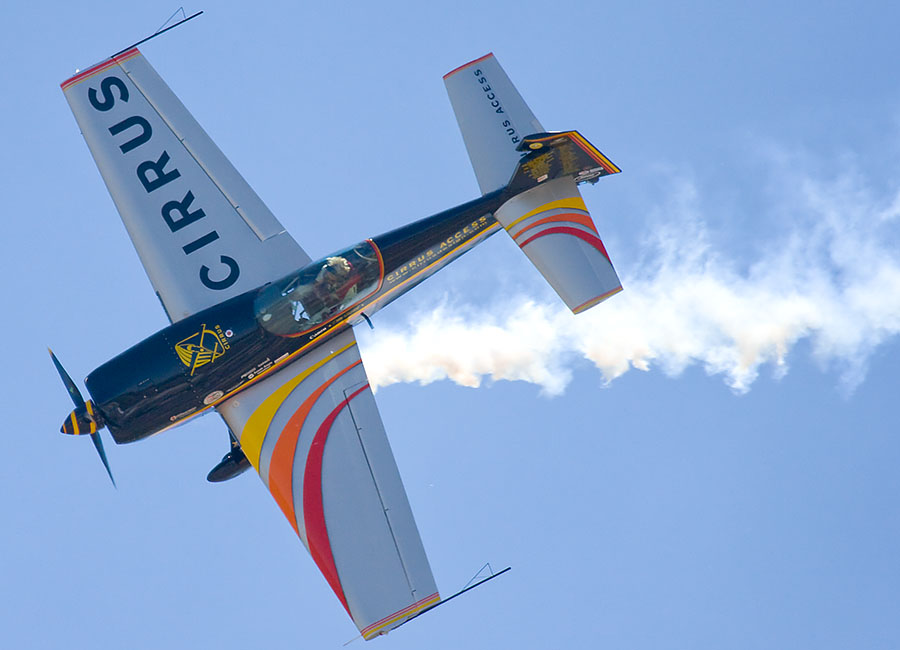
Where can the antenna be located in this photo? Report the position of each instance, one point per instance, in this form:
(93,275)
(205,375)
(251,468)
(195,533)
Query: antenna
(161,30)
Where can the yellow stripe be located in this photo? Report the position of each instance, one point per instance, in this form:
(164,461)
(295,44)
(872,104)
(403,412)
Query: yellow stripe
(587,145)
(257,425)
(581,141)
(374,631)
(90,411)
(575,203)
(75,430)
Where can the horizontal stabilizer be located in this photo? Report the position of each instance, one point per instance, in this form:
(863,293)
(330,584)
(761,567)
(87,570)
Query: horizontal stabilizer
(551,224)
(553,155)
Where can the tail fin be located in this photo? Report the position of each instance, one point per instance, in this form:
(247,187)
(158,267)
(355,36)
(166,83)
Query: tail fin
(493,119)
(545,215)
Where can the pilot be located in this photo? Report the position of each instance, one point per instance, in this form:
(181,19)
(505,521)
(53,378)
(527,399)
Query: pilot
(337,277)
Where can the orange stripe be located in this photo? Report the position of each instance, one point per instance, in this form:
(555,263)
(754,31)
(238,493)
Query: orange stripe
(405,610)
(572,217)
(257,425)
(281,466)
(466,65)
(593,301)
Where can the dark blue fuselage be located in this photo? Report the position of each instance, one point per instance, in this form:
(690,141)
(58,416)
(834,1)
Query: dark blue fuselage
(205,358)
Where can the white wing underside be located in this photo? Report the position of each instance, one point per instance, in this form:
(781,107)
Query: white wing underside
(313,432)
(202,233)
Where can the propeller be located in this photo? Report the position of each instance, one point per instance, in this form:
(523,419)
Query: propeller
(83,416)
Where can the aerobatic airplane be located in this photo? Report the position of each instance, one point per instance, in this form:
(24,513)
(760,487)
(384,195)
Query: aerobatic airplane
(264,335)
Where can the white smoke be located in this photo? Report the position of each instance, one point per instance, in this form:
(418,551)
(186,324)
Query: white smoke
(830,274)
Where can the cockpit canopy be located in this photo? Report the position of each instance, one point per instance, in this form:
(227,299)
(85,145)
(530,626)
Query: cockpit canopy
(319,291)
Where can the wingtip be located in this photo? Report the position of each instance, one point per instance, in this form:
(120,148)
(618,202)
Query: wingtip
(466,65)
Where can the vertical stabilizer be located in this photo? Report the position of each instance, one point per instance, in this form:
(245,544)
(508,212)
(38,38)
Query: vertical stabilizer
(493,119)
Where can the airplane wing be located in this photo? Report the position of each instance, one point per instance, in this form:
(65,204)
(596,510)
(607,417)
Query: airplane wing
(313,432)
(202,233)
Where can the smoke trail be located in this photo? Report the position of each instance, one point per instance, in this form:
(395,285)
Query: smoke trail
(832,276)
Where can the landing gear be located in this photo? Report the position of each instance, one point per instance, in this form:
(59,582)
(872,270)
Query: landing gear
(232,464)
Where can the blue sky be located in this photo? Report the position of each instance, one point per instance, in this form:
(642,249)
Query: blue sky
(707,460)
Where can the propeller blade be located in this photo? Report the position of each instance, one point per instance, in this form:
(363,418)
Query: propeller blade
(74,393)
(98,445)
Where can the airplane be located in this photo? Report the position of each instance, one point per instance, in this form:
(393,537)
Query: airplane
(263,334)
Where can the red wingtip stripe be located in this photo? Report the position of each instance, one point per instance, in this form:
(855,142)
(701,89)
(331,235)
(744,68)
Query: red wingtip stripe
(466,65)
(90,72)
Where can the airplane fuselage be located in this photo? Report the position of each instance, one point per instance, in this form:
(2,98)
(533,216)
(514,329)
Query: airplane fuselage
(196,363)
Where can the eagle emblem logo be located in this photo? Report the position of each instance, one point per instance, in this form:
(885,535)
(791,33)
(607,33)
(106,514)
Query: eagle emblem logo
(201,348)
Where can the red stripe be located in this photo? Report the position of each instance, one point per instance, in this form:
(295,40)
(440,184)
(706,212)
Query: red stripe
(314,509)
(571,217)
(564,230)
(100,66)
(466,65)
(281,465)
